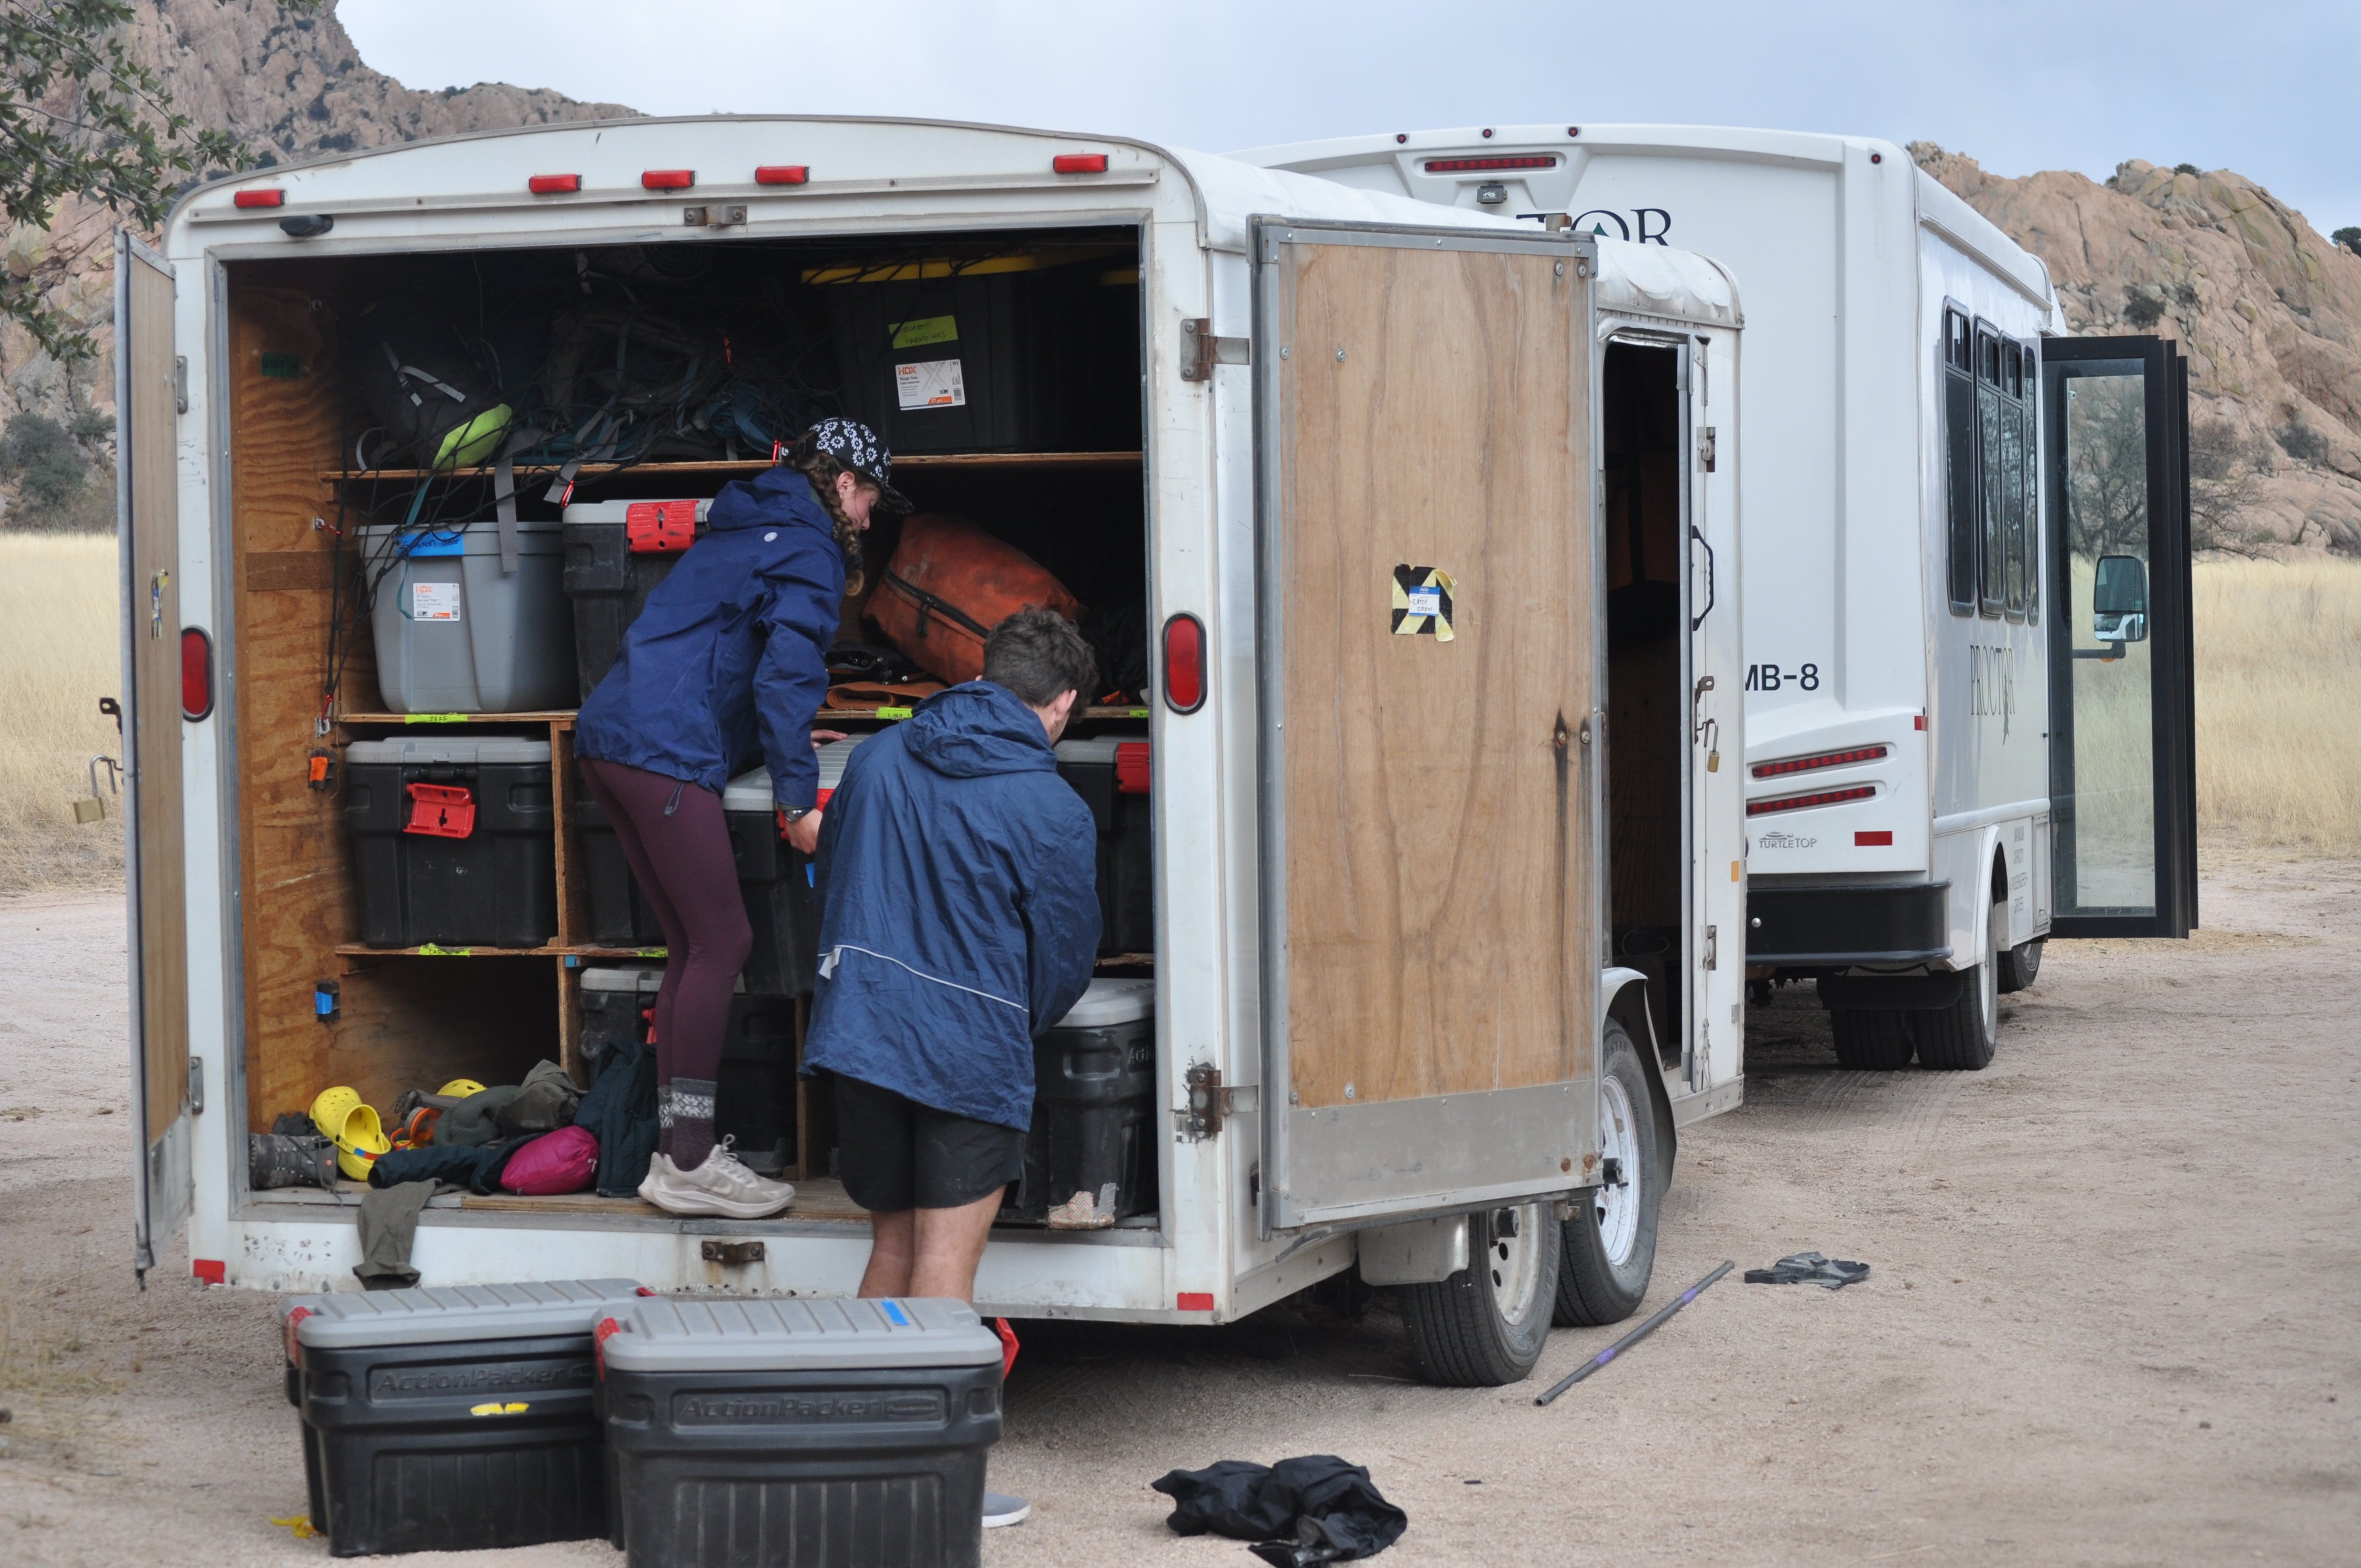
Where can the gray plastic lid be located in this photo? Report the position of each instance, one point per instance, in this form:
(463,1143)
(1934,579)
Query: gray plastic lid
(752,790)
(445,1312)
(1111,1002)
(453,752)
(621,511)
(1099,749)
(669,1335)
(642,978)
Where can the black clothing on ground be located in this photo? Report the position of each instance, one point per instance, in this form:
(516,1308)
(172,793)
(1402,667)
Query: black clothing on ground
(1298,1512)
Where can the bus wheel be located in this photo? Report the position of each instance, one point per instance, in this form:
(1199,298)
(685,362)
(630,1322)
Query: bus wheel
(1485,1325)
(2022,968)
(1962,1037)
(1610,1237)
(1872,1039)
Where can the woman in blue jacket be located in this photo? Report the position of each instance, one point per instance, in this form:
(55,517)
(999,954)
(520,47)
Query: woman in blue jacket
(725,665)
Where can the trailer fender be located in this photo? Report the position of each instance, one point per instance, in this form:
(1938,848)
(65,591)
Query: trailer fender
(1623,996)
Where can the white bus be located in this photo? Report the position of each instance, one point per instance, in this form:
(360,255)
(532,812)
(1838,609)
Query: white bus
(1954,750)
(1357,499)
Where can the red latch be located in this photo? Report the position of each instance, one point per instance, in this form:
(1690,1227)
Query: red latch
(659,528)
(441,811)
(1131,768)
(295,1321)
(607,1329)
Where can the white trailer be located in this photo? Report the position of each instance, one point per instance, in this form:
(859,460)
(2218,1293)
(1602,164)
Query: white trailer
(1933,470)
(1365,506)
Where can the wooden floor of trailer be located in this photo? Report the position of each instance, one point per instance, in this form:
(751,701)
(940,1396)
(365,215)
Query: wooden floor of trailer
(819,1199)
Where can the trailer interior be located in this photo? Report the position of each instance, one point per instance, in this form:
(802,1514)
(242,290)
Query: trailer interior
(305,473)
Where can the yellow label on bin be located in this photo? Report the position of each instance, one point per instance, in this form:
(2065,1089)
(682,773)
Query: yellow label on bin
(500,1410)
(925,330)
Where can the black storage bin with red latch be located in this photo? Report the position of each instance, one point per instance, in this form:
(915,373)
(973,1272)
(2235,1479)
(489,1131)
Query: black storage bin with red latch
(616,552)
(778,882)
(1111,774)
(455,841)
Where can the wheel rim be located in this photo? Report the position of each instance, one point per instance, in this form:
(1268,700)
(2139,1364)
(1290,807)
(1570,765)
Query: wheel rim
(1616,1207)
(1989,990)
(1513,1264)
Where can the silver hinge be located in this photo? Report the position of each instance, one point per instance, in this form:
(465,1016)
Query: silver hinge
(1200,350)
(1210,1103)
(716,217)
(1712,946)
(196,1086)
(181,384)
(1705,448)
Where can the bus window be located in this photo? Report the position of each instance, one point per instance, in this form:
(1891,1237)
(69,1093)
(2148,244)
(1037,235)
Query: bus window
(1959,458)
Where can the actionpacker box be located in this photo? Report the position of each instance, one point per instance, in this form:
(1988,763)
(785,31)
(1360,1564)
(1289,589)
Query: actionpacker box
(1111,774)
(452,1420)
(453,842)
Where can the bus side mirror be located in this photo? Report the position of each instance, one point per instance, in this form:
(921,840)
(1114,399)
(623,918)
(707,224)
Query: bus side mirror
(2119,600)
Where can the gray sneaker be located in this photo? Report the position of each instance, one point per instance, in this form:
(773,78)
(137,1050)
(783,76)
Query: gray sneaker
(720,1188)
(1000,1509)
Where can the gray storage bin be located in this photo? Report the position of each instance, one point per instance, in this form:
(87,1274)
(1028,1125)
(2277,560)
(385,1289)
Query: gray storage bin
(456,634)
(453,1419)
(823,1432)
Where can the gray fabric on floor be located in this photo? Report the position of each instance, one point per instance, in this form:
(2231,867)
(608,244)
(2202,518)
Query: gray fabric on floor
(389,1224)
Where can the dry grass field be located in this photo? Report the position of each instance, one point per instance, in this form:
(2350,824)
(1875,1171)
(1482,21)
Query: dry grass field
(58,656)
(2278,687)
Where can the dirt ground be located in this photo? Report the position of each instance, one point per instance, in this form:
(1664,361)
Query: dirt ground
(2114,1316)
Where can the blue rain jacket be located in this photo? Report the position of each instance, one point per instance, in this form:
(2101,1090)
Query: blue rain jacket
(960,914)
(727,662)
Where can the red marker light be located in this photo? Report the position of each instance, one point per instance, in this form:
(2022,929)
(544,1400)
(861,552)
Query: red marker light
(260,198)
(553,184)
(781,174)
(1184,663)
(1823,759)
(668,178)
(1079,163)
(196,674)
(1882,838)
(1195,1300)
(1484,165)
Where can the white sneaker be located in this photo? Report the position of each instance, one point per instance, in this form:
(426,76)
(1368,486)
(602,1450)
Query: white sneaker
(721,1186)
(1000,1509)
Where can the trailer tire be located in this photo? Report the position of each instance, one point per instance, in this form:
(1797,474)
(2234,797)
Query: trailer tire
(1963,1036)
(1609,1244)
(1486,1326)
(1872,1039)
(2023,966)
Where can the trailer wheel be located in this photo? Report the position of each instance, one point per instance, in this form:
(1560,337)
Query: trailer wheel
(1962,1037)
(2023,966)
(1610,1238)
(1872,1039)
(1485,1325)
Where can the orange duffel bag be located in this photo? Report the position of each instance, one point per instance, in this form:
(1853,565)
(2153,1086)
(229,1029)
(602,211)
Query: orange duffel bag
(949,585)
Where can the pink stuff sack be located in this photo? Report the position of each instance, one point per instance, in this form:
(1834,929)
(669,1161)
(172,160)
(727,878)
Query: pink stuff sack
(562,1161)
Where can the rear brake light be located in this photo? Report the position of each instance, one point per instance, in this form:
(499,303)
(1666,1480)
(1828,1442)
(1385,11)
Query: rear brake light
(781,174)
(1079,163)
(1131,769)
(259,198)
(1184,663)
(668,178)
(1820,760)
(553,184)
(660,528)
(196,674)
(1797,802)
(1484,165)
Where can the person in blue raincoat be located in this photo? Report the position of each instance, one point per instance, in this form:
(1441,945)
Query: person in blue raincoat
(960,919)
(726,666)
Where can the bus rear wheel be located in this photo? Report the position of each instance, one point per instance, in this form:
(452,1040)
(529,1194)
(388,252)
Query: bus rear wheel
(1963,1036)
(1872,1039)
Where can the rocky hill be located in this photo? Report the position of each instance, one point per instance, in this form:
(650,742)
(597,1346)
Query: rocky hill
(292,87)
(2267,309)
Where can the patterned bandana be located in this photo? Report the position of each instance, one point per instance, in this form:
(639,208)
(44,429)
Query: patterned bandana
(856,446)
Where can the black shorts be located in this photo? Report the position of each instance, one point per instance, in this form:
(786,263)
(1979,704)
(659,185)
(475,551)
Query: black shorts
(896,1154)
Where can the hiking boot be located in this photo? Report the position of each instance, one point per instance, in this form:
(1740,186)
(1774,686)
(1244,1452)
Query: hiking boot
(1000,1509)
(721,1186)
(278,1159)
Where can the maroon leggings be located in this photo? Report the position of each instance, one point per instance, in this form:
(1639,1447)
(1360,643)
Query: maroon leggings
(678,844)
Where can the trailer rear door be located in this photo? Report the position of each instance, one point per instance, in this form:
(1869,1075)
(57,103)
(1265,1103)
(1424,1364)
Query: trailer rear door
(145,408)
(1429,636)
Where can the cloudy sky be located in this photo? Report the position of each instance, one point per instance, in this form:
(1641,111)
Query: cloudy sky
(2265,87)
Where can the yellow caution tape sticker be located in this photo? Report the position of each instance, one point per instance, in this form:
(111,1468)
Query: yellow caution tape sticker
(496,1409)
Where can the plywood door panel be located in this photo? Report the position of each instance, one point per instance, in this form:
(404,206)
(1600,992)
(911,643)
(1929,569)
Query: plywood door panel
(152,483)
(1440,885)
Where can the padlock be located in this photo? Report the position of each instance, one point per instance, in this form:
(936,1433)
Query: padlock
(93,808)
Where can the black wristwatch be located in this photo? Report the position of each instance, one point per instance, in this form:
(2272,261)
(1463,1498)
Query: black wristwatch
(796,813)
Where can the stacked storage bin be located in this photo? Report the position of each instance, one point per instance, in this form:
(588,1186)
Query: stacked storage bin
(457,631)
(778,880)
(1093,1109)
(453,1419)
(616,552)
(754,1098)
(786,1432)
(1112,776)
(620,914)
(453,842)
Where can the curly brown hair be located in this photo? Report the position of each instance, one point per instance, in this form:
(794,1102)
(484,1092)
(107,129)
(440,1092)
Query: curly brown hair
(822,469)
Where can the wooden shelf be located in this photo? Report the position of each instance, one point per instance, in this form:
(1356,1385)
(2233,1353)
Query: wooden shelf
(437,950)
(747,467)
(564,718)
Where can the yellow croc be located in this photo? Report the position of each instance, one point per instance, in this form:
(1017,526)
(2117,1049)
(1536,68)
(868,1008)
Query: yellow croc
(460,1088)
(339,1115)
